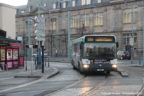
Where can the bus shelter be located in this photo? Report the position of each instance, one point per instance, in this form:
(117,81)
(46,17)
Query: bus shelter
(9,54)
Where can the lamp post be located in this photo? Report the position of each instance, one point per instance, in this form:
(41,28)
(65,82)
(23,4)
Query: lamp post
(69,35)
(143,35)
(29,36)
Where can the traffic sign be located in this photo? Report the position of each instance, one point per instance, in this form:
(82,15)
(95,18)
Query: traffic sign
(40,28)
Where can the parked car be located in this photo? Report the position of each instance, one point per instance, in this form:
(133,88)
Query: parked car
(123,55)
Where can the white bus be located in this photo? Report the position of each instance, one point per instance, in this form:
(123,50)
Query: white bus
(94,53)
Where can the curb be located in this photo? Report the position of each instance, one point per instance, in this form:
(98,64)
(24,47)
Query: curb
(60,61)
(53,73)
(56,71)
(27,76)
(122,73)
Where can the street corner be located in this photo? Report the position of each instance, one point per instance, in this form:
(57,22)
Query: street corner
(51,72)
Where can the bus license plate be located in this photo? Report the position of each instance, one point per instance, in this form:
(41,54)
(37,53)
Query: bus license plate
(100,69)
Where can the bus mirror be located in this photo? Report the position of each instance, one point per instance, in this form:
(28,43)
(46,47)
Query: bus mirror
(117,44)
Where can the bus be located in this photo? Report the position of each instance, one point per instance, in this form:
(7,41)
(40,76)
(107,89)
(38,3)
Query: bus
(94,53)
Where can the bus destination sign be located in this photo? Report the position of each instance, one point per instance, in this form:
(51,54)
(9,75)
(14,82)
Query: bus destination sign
(99,39)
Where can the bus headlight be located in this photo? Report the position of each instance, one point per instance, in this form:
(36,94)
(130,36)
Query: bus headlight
(86,66)
(114,66)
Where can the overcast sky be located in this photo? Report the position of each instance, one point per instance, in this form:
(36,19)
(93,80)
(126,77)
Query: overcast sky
(14,2)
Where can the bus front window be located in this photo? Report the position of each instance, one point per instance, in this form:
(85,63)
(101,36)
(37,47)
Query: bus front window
(99,51)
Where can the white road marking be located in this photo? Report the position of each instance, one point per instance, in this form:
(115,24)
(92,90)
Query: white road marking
(5,78)
(20,86)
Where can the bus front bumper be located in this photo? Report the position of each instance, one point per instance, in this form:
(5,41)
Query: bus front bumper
(99,67)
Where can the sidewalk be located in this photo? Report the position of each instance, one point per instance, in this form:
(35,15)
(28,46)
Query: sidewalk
(31,71)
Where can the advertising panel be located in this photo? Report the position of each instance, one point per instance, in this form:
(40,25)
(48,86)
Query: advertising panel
(21,61)
(15,54)
(9,64)
(2,52)
(15,63)
(9,54)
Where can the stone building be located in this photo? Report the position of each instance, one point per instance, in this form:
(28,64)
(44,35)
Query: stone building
(7,20)
(123,18)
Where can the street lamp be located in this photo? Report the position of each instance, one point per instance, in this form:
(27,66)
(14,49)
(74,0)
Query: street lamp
(143,35)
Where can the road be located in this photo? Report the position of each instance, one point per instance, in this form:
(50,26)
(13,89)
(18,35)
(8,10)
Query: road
(70,82)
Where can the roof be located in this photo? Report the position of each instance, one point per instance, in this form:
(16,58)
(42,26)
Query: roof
(6,5)
(4,40)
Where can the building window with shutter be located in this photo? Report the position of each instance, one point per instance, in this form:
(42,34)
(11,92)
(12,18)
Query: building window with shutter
(64,4)
(88,2)
(73,3)
(75,22)
(99,1)
(98,19)
(127,36)
(83,2)
(54,5)
(128,16)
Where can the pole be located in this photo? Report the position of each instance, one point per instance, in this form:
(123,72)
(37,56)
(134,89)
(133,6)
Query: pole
(38,8)
(143,36)
(56,35)
(132,35)
(29,38)
(42,59)
(69,36)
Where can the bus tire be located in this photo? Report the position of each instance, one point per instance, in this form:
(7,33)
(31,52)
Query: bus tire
(73,65)
(108,72)
(80,68)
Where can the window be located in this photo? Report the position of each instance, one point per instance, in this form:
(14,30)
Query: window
(128,16)
(74,22)
(53,24)
(30,8)
(87,20)
(45,5)
(83,2)
(64,4)
(54,5)
(22,11)
(98,19)
(99,1)
(73,3)
(127,36)
(88,2)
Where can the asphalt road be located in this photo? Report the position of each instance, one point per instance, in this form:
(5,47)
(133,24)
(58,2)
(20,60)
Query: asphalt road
(70,82)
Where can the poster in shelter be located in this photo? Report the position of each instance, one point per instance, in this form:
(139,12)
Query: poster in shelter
(9,54)
(2,52)
(15,54)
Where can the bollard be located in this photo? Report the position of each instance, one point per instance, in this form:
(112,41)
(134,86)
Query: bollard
(48,62)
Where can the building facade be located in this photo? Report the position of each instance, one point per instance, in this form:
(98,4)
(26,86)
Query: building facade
(7,20)
(123,18)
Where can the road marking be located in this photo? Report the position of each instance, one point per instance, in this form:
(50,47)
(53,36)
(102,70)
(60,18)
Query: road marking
(5,78)
(20,86)
(140,92)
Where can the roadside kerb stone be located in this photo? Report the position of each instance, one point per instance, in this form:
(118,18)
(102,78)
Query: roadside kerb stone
(122,73)
(48,73)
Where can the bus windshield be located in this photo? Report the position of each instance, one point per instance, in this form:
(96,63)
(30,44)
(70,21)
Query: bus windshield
(99,51)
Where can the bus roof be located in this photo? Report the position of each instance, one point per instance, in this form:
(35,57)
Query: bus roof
(82,39)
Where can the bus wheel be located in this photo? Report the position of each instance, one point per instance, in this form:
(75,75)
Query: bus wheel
(73,65)
(108,72)
(80,68)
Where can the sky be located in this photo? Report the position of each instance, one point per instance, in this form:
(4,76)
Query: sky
(14,2)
